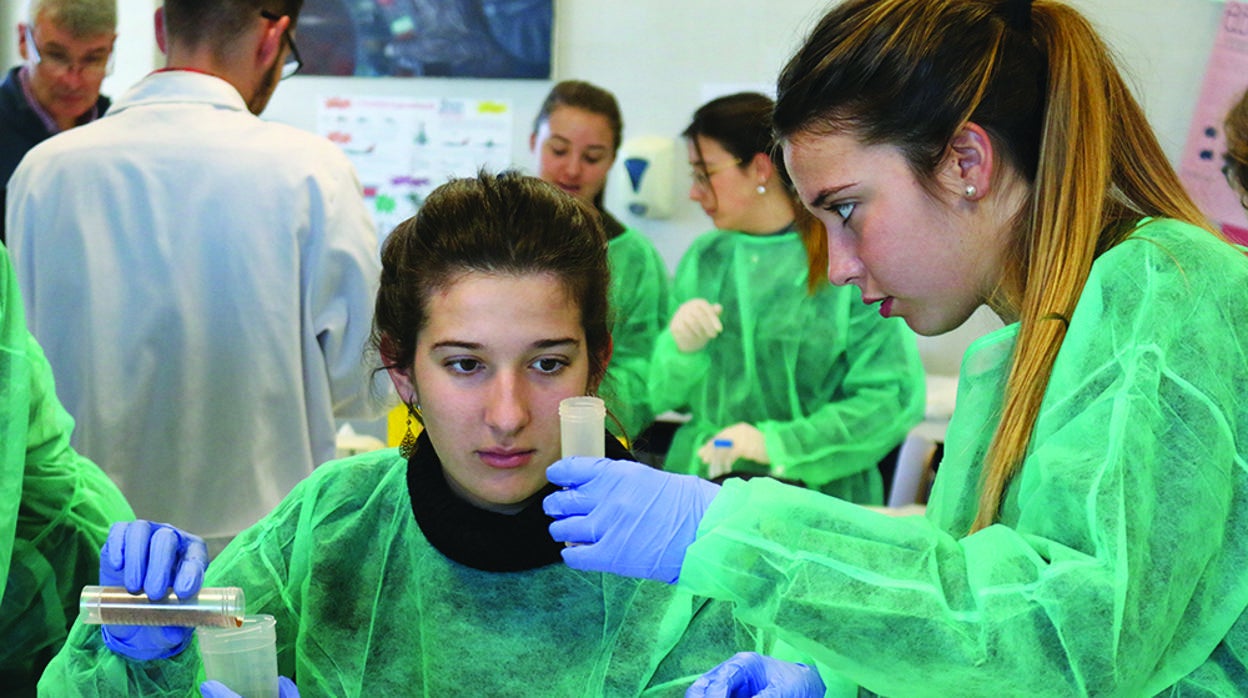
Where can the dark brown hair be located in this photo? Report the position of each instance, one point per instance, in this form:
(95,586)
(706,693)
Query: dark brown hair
(497,224)
(217,23)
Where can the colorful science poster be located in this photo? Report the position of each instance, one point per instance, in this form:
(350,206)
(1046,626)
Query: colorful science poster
(1226,78)
(405,148)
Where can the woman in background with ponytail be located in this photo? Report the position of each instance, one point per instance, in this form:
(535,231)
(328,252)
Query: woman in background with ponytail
(1086,533)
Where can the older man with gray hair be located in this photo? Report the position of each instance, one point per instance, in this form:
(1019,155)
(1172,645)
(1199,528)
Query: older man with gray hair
(67,49)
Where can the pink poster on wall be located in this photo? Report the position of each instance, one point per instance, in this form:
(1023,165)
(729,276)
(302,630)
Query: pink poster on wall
(1226,78)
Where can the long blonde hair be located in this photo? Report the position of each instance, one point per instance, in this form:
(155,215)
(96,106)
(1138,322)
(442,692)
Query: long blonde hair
(1042,83)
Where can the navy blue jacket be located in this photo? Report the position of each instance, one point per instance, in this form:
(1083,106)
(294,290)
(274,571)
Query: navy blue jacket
(20,130)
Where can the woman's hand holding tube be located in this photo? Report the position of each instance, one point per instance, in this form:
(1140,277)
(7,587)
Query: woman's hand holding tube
(747,442)
(148,557)
(625,517)
(753,674)
(695,323)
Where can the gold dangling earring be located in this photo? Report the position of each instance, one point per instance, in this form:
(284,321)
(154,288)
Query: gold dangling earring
(408,445)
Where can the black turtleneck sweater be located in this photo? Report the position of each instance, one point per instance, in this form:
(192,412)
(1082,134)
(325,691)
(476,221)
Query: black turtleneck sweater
(481,539)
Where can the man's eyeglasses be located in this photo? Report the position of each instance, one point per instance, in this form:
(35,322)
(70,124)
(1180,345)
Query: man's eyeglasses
(702,175)
(293,62)
(94,65)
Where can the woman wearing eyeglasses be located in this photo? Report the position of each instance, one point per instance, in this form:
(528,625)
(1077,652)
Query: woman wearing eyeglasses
(747,354)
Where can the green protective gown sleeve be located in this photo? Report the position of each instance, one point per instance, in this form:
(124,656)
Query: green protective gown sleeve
(1118,565)
(640,300)
(831,384)
(366,606)
(15,384)
(57,507)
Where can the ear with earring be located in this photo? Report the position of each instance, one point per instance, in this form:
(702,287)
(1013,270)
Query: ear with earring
(408,445)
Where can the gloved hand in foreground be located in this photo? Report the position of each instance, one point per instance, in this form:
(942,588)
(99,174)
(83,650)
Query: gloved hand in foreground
(215,689)
(625,517)
(754,674)
(151,557)
(747,442)
(695,323)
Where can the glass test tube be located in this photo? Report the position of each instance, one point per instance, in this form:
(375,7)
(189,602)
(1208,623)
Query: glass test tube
(220,607)
(582,426)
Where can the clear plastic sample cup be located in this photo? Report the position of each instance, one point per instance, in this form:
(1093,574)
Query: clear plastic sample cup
(212,607)
(582,424)
(243,658)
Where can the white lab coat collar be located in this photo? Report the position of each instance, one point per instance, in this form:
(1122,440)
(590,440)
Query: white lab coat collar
(181,87)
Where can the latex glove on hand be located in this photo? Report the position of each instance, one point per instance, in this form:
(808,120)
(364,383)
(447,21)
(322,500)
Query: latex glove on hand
(215,689)
(747,442)
(151,557)
(754,674)
(695,323)
(625,517)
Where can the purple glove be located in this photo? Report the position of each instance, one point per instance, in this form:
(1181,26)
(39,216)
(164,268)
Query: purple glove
(753,674)
(625,517)
(215,689)
(151,557)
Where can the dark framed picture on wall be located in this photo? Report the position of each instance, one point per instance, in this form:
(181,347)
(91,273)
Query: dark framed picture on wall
(426,38)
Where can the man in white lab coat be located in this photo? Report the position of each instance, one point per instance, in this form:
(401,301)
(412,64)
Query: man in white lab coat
(201,280)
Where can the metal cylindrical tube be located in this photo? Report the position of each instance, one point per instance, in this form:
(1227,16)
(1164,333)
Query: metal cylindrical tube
(220,607)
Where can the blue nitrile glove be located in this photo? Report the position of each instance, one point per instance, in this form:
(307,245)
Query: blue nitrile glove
(151,557)
(754,674)
(215,689)
(625,517)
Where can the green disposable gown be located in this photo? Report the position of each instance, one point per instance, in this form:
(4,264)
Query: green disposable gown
(832,385)
(1119,566)
(640,300)
(55,508)
(352,567)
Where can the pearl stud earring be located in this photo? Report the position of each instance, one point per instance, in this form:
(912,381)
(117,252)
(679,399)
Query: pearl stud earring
(971,191)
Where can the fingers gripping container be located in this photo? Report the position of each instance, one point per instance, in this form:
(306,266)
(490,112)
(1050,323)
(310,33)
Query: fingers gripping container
(242,658)
(211,607)
(582,424)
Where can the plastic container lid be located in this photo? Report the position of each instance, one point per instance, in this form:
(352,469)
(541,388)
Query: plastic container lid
(582,407)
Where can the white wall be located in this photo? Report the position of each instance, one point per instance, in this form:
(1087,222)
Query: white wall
(659,56)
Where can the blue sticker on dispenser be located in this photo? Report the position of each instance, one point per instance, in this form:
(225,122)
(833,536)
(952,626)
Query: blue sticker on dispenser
(636,167)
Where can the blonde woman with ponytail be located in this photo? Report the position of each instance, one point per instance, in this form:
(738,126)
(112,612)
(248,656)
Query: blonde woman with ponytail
(1087,534)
